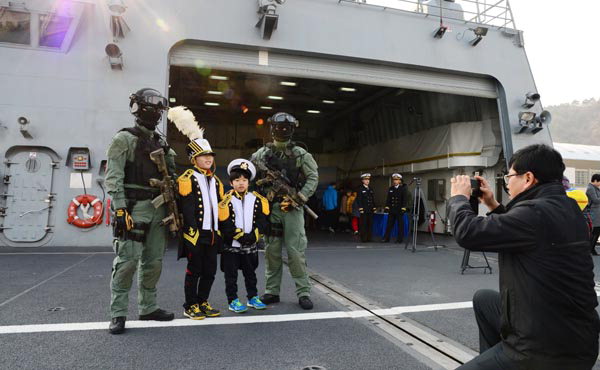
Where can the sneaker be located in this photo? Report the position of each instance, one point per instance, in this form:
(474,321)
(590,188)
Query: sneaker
(269,298)
(193,312)
(237,306)
(256,303)
(158,315)
(117,325)
(208,311)
(305,303)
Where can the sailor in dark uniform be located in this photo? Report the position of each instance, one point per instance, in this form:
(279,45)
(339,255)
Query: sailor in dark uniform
(365,199)
(395,206)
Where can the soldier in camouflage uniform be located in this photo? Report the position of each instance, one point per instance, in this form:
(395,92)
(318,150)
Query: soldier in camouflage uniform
(139,238)
(287,223)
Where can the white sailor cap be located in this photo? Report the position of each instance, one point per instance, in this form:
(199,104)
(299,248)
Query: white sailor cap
(396,176)
(242,164)
(365,176)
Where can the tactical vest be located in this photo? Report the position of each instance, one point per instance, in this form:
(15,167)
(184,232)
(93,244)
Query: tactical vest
(285,162)
(142,169)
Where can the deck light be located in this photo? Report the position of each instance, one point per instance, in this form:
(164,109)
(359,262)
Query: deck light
(479,33)
(526,121)
(212,92)
(347,89)
(329,101)
(211,104)
(273,97)
(266,107)
(172,100)
(267,23)
(220,78)
(439,33)
(530,99)
(115,57)
(287,83)
(313,111)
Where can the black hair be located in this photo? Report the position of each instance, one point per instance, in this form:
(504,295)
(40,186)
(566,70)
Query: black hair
(596,177)
(545,163)
(238,172)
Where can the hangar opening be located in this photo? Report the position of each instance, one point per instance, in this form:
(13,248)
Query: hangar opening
(349,126)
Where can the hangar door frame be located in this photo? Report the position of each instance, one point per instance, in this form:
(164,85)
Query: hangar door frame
(199,55)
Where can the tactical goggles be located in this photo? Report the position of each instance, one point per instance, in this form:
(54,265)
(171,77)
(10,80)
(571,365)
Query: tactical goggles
(283,117)
(154,100)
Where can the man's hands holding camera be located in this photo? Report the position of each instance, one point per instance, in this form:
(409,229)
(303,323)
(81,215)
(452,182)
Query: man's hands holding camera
(461,185)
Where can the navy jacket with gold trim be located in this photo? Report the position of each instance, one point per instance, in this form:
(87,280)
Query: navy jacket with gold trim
(192,207)
(227,218)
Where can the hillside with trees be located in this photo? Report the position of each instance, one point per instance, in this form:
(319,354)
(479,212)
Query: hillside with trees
(577,122)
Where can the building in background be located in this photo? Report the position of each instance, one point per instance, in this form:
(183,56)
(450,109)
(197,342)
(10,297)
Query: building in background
(582,161)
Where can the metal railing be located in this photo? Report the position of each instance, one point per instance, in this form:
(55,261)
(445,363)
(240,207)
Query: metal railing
(493,13)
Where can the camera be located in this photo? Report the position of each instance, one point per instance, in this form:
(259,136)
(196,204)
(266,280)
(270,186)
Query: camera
(476,188)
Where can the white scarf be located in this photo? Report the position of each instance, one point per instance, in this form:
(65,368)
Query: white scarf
(209,199)
(244,214)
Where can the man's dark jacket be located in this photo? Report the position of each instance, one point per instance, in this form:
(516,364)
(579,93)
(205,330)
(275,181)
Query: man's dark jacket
(548,317)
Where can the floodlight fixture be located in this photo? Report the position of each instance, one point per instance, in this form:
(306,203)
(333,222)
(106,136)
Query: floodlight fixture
(439,33)
(526,121)
(479,32)
(23,123)
(115,57)
(172,100)
(267,23)
(530,99)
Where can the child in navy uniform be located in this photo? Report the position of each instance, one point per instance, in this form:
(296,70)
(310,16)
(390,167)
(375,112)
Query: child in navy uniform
(242,221)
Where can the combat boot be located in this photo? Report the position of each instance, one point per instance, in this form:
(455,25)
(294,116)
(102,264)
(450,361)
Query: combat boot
(305,302)
(269,298)
(158,315)
(117,325)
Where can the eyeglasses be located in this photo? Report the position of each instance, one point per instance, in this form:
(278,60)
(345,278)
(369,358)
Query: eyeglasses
(507,177)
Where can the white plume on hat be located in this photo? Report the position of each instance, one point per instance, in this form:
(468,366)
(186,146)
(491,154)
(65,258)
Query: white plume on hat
(186,123)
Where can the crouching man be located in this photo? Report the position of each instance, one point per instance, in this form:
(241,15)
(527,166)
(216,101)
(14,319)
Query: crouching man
(544,316)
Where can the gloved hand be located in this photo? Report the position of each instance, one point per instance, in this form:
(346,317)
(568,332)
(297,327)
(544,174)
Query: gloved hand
(361,211)
(122,222)
(248,239)
(374,209)
(386,210)
(403,209)
(285,205)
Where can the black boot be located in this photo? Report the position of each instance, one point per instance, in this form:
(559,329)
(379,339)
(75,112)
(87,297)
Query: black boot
(117,325)
(305,303)
(269,298)
(158,315)
(399,241)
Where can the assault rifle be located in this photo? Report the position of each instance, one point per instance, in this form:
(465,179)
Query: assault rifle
(281,186)
(167,193)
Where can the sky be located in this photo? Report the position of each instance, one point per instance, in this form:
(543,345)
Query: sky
(563,51)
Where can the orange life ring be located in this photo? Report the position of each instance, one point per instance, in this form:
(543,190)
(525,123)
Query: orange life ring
(85,201)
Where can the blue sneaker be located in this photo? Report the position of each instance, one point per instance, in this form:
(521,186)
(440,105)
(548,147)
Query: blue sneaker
(256,303)
(237,306)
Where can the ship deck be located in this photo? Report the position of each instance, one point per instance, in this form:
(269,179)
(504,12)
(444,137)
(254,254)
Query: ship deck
(376,306)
